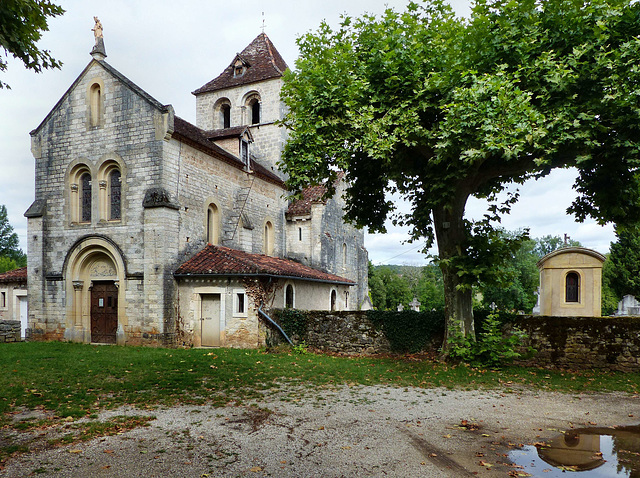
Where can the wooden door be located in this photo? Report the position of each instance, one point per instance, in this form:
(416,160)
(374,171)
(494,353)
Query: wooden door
(104,312)
(210,320)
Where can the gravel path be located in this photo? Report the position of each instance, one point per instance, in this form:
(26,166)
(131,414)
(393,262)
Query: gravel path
(341,432)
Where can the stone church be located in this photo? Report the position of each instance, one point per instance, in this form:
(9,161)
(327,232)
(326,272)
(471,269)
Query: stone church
(147,229)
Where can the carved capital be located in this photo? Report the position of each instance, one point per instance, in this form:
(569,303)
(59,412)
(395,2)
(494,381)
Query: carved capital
(74,187)
(78,285)
(117,284)
(102,184)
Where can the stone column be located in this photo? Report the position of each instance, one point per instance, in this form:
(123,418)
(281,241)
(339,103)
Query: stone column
(77,301)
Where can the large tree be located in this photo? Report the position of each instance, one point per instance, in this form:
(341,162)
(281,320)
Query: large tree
(21,25)
(440,108)
(623,273)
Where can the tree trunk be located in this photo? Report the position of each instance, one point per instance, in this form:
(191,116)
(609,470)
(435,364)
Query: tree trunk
(451,238)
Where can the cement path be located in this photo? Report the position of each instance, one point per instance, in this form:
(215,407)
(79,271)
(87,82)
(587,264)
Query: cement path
(342,432)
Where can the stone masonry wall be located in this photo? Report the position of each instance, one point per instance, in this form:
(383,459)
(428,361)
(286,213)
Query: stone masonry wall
(343,332)
(9,331)
(611,343)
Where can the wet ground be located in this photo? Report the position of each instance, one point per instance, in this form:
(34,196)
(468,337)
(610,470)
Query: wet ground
(342,432)
(593,451)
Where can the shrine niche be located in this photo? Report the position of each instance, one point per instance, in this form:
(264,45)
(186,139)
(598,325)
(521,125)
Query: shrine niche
(571,283)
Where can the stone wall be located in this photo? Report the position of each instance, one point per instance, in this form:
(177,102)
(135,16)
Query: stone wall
(608,343)
(9,331)
(611,343)
(342,332)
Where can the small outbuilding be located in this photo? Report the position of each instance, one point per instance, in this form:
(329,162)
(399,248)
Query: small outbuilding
(571,282)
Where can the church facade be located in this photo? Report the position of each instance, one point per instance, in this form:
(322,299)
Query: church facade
(147,229)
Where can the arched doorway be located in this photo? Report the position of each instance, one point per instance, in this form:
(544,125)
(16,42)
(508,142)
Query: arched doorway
(94,274)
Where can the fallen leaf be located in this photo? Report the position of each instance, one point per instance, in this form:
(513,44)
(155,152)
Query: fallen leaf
(75,451)
(256,469)
(111,452)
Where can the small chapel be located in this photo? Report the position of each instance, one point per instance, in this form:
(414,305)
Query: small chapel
(147,229)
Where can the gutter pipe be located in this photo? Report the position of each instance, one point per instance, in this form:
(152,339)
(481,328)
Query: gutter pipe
(273,322)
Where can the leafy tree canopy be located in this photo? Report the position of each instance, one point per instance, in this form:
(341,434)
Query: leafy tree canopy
(623,272)
(10,243)
(440,108)
(21,25)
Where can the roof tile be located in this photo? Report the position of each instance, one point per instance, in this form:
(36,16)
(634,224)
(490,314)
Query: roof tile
(16,275)
(220,260)
(264,62)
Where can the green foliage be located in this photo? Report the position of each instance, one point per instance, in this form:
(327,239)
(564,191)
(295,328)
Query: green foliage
(391,285)
(546,244)
(409,331)
(9,244)
(301,348)
(493,348)
(293,322)
(21,25)
(7,264)
(622,273)
(438,109)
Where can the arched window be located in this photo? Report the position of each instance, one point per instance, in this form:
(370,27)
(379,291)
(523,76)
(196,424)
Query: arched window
(268,238)
(572,288)
(344,255)
(115,197)
(225,116)
(288,297)
(333,300)
(299,233)
(95,104)
(85,198)
(213,224)
(253,109)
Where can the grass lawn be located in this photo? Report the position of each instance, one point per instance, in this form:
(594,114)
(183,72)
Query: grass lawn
(76,380)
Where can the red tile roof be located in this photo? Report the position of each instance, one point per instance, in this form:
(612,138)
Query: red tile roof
(263,61)
(302,206)
(223,261)
(16,275)
(310,195)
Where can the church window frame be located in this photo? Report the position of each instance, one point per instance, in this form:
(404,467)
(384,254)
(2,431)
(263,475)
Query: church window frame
(268,238)
(80,193)
(289,296)
(222,113)
(212,223)
(95,103)
(253,108)
(111,189)
(572,287)
(333,300)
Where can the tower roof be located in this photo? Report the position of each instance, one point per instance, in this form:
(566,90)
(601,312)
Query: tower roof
(257,62)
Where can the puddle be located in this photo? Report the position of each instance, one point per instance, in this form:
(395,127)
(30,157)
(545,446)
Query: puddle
(593,452)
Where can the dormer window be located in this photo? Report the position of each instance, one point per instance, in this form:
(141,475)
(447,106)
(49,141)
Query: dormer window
(239,68)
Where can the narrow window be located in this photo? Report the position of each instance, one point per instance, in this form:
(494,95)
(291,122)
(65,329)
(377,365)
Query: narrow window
(95,104)
(212,224)
(572,287)
(333,300)
(268,238)
(115,200)
(85,204)
(245,152)
(3,299)
(344,256)
(255,111)
(240,303)
(346,300)
(288,297)
(225,111)
(299,233)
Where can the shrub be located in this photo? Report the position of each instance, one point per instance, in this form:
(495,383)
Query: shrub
(409,331)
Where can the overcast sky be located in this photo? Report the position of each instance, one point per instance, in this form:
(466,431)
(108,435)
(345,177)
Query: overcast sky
(171,48)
